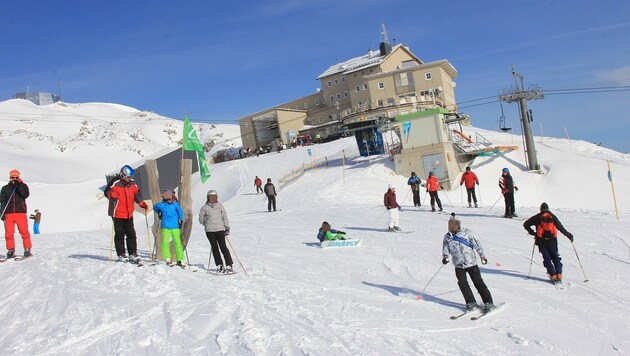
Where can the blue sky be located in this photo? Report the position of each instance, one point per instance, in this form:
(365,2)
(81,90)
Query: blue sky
(221,60)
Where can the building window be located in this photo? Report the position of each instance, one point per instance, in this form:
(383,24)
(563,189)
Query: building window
(365,86)
(427,76)
(316,102)
(329,83)
(305,106)
(334,117)
(332,98)
(379,103)
(402,80)
(336,81)
(391,102)
(343,79)
(319,119)
(381,85)
(357,89)
(338,96)
(345,94)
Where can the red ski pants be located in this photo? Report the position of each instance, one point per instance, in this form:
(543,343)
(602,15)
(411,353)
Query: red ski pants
(21,221)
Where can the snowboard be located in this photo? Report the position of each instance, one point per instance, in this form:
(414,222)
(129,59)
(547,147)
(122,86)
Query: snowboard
(342,243)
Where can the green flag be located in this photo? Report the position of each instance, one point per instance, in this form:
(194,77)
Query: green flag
(192,143)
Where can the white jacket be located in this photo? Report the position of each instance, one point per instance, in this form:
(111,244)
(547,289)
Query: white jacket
(463,256)
(214,217)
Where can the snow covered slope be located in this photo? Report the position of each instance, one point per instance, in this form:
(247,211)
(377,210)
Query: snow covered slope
(299,299)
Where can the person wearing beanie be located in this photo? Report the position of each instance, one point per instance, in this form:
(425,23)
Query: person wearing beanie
(545,237)
(389,200)
(432,188)
(508,186)
(414,183)
(171,215)
(461,245)
(13,212)
(270,191)
(217,226)
(37,218)
(470,179)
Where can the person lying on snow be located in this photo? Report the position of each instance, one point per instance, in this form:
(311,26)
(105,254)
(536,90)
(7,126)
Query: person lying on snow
(327,233)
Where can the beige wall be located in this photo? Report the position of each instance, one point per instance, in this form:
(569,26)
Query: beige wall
(289,120)
(410,160)
(425,131)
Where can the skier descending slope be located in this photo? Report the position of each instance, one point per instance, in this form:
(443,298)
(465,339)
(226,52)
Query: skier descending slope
(546,235)
(461,244)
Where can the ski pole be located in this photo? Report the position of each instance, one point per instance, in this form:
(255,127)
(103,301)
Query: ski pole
(461,194)
(447,198)
(578,258)
(146,220)
(531,259)
(378,218)
(239,260)
(479,188)
(7,203)
(406,196)
(209,257)
(495,203)
(436,273)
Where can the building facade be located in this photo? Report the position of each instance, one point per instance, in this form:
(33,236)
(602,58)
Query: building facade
(361,91)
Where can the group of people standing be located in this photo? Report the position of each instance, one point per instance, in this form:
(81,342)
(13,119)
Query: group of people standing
(123,194)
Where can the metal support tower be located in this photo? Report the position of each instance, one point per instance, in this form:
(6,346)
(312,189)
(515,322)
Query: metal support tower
(520,95)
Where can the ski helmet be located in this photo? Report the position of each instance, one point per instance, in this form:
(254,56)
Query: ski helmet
(126,172)
(212,192)
(506,170)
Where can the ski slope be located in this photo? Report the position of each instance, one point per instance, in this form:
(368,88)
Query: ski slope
(294,298)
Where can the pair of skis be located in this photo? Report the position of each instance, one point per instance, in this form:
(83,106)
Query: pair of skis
(497,308)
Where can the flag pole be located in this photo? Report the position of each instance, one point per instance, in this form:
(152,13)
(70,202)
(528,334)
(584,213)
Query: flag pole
(612,186)
(181,162)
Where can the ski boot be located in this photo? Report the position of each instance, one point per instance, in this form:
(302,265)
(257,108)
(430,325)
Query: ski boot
(10,253)
(27,252)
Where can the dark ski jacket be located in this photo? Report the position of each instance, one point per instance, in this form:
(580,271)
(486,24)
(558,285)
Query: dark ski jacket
(14,202)
(270,189)
(536,221)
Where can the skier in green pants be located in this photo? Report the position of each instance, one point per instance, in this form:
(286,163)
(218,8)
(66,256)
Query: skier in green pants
(172,216)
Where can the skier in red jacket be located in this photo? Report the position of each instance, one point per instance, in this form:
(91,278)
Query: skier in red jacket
(470,179)
(432,187)
(258,184)
(122,193)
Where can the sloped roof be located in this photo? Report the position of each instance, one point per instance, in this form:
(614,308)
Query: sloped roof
(370,59)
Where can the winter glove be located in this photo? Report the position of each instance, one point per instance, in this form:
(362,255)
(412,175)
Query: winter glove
(32,216)
(2,218)
(388,207)
(570,236)
(159,214)
(460,184)
(180,223)
(143,205)
(531,233)
(516,188)
(227,232)
(484,260)
(399,207)
(477,183)
(444,260)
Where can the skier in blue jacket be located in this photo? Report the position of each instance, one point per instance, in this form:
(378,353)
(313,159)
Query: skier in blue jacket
(172,216)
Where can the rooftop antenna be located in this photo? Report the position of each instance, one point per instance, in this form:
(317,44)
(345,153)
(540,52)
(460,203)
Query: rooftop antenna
(384,34)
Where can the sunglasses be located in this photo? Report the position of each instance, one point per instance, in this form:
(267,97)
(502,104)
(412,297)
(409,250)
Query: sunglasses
(14,178)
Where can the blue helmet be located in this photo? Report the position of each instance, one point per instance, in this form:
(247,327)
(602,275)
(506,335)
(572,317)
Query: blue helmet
(505,170)
(126,171)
